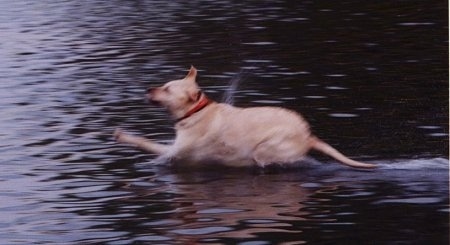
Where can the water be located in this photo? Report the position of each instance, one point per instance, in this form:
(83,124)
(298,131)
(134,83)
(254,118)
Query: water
(371,78)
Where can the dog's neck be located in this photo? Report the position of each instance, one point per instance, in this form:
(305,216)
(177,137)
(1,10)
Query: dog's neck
(202,102)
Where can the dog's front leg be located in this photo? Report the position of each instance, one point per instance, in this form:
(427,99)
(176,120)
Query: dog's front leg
(141,143)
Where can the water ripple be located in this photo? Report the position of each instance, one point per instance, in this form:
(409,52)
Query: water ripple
(73,71)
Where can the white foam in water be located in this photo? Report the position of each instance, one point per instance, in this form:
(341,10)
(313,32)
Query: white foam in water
(417,164)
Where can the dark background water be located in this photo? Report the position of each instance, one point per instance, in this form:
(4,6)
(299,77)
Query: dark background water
(370,77)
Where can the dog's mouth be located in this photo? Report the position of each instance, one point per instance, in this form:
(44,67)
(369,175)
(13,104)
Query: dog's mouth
(150,98)
(156,103)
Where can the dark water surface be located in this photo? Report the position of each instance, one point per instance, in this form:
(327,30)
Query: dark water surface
(370,76)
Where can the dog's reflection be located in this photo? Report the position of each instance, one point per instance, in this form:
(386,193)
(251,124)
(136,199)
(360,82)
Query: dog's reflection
(233,205)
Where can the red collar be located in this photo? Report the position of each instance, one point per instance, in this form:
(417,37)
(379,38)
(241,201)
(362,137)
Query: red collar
(202,103)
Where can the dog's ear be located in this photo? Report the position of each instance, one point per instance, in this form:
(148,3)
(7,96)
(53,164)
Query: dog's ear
(192,74)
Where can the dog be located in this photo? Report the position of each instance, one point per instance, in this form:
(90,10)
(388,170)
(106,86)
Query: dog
(209,132)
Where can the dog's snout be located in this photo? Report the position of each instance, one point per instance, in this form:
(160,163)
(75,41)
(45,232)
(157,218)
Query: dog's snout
(150,96)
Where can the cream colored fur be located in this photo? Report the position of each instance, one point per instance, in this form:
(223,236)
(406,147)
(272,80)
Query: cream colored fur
(228,135)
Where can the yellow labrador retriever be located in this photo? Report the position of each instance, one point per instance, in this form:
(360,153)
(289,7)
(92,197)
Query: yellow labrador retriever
(210,132)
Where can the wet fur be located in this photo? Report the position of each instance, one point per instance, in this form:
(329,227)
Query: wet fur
(223,134)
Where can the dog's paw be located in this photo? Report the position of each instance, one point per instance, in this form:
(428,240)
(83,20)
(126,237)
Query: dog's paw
(118,135)
(123,137)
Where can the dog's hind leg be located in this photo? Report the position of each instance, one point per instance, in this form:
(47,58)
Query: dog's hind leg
(277,152)
(141,143)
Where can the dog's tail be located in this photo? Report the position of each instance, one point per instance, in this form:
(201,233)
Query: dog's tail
(325,148)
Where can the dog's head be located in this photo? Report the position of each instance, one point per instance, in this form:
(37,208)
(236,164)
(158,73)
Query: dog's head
(177,96)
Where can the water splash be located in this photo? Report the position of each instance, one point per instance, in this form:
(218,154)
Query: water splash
(416,164)
(233,84)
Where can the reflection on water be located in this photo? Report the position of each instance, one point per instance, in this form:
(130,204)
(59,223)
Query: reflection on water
(372,78)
